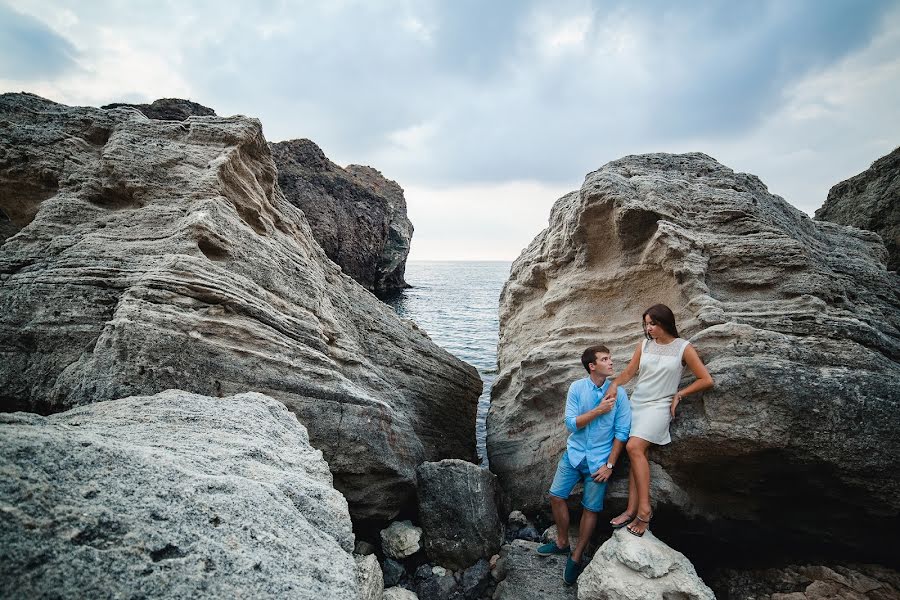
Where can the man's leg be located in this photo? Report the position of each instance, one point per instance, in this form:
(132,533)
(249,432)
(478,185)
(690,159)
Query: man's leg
(565,479)
(561,518)
(585,530)
(640,470)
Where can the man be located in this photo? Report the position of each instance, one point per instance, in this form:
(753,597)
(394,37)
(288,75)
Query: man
(598,432)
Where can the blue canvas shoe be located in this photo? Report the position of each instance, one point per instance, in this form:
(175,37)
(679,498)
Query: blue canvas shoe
(551,548)
(573,570)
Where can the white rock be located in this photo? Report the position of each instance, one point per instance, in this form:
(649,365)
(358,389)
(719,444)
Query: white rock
(628,567)
(439,571)
(369,577)
(401,539)
(399,593)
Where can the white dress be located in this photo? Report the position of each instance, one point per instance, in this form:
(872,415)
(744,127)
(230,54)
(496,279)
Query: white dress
(658,379)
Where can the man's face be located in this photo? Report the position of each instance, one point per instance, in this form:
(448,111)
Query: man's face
(603,365)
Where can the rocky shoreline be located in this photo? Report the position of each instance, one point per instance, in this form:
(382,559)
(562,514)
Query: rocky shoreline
(202,397)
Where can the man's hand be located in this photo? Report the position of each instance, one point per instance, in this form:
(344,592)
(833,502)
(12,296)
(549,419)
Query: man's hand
(606,405)
(602,474)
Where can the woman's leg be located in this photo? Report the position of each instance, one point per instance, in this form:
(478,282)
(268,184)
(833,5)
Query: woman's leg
(640,472)
(631,509)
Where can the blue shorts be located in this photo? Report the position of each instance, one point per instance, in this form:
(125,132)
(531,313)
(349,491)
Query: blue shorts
(568,476)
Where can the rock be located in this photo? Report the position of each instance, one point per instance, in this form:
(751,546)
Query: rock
(518,520)
(363,547)
(399,593)
(168,109)
(393,572)
(165,256)
(438,570)
(551,534)
(628,567)
(528,533)
(401,539)
(438,588)
(475,580)
(526,576)
(369,577)
(356,214)
(870,200)
(796,320)
(808,582)
(170,496)
(458,511)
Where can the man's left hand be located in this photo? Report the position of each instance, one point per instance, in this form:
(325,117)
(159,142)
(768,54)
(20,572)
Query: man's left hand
(602,474)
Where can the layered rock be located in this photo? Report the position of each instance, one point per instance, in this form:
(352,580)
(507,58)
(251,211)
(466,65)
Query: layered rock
(153,254)
(170,496)
(798,322)
(356,215)
(168,109)
(628,567)
(458,509)
(870,200)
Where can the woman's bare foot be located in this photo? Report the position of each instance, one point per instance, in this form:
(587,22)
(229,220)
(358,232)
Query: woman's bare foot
(622,520)
(640,524)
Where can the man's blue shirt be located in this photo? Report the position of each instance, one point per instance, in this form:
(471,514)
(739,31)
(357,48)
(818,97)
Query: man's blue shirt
(594,441)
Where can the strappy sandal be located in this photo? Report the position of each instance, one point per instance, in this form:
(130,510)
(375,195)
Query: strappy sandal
(647,521)
(623,523)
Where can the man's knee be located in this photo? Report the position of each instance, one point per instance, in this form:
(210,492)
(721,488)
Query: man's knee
(557,501)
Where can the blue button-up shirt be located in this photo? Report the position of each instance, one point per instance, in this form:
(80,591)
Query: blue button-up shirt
(594,441)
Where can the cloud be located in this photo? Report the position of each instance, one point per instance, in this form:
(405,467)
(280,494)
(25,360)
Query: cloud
(31,50)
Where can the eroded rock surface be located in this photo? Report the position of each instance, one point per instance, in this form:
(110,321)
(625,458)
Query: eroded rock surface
(168,109)
(870,200)
(797,320)
(151,254)
(170,496)
(356,214)
(809,582)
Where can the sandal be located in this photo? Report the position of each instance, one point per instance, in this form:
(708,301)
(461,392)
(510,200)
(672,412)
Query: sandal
(623,523)
(647,521)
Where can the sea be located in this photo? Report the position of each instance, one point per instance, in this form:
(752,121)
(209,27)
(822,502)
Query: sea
(456,302)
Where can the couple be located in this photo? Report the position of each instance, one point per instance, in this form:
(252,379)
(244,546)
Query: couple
(602,422)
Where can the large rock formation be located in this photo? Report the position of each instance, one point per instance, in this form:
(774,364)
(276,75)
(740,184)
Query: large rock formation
(168,109)
(170,496)
(153,254)
(356,215)
(870,200)
(809,582)
(797,320)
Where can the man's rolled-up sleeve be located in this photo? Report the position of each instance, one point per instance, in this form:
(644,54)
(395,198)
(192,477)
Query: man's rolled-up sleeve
(623,416)
(571,409)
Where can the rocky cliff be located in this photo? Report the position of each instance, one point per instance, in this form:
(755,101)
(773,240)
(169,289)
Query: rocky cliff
(170,496)
(356,215)
(870,200)
(797,320)
(168,109)
(142,255)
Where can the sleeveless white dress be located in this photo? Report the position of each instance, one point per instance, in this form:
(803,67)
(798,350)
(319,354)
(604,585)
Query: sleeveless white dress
(658,379)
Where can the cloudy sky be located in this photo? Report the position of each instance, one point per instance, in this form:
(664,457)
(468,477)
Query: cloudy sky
(486,112)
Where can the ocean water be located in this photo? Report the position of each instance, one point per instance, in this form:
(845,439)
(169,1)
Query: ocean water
(457,304)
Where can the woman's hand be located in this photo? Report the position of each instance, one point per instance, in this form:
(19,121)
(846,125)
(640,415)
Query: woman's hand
(675,400)
(612,391)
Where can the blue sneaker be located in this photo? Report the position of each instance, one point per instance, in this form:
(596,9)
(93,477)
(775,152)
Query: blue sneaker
(551,549)
(573,570)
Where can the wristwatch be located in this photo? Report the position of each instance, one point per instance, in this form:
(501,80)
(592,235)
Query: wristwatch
(610,466)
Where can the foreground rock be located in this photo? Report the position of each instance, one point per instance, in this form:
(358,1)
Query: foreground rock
(797,320)
(401,539)
(171,496)
(810,582)
(870,200)
(168,109)
(458,510)
(152,254)
(356,215)
(628,567)
(524,575)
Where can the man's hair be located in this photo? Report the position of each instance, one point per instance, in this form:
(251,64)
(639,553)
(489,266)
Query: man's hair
(590,355)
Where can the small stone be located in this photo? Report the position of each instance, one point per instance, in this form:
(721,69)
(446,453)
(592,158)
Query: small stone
(393,572)
(475,579)
(528,533)
(399,593)
(439,571)
(363,547)
(437,588)
(424,572)
(369,577)
(401,539)
(493,561)
(518,519)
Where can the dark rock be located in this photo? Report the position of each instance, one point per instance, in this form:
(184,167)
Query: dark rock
(424,572)
(393,572)
(475,579)
(870,200)
(356,215)
(458,509)
(808,582)
(523,575)
(168,109)
(438,588)
(529,534)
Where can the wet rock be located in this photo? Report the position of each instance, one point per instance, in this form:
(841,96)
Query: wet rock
(458,510)
(401,539)
(165,256)
(628,567)
(356,214)
(170,496)
(523,575)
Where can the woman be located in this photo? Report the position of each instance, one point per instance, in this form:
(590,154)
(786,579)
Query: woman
(660,359)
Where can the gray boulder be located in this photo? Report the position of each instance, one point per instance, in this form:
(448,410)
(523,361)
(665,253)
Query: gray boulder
(870,200)
(399,593)
(524,575)
(168,109)
(628,567)
(458,511)
(401,539)
(147,255)
(797,320)
(369,577)
(170,496)
(356,214)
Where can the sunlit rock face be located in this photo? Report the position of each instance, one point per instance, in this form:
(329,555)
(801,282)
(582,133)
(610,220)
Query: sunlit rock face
(356,214)
(142,255)
(171,496)
(797,320)
(870,200)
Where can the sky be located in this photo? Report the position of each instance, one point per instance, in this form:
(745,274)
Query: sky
(486,112)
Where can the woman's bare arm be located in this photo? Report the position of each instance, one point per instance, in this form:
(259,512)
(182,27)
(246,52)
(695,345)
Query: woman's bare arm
(627,373)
